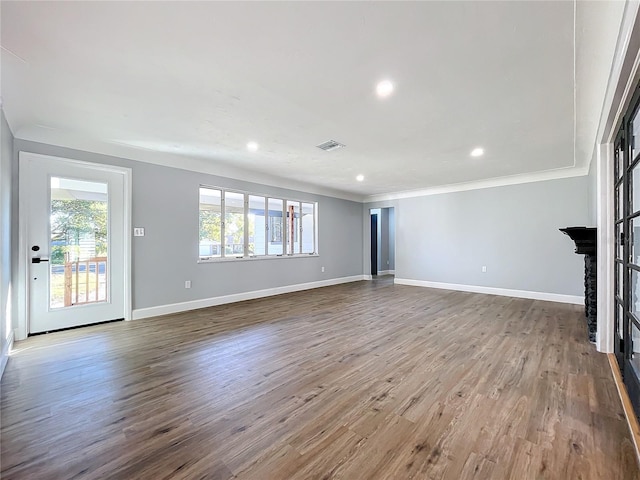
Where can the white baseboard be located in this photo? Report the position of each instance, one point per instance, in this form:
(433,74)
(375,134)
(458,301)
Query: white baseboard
(238,297)
(387,272)
(505,292)
(6,348)
(367,277)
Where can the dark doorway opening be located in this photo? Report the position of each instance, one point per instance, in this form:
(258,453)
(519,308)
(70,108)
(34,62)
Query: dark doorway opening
(374,244)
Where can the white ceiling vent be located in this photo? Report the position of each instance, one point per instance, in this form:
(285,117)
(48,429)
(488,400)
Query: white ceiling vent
(330,145)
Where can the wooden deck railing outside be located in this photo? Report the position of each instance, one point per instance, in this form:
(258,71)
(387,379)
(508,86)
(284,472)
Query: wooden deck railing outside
(72,270)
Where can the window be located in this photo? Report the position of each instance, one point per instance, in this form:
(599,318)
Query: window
(236,224)
(276,227)
(257,226)
(293,227)
(307,228)
(210,223)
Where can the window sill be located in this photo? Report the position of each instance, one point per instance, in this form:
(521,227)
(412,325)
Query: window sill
(256,258)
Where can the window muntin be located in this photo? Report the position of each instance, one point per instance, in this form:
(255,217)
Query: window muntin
(237,224)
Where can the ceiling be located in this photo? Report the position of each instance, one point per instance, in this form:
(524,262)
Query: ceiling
(186,84)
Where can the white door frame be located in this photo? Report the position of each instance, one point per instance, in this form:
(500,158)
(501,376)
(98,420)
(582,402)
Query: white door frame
(624,76)
(22,329)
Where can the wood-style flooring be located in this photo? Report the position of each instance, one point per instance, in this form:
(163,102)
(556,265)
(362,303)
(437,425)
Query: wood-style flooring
(367,380)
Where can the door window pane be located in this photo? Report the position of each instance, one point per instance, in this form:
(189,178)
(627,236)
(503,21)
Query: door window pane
(257,225)
(634,232)
(620,201)
(635,134)
(233,224)
(619,321)
(634,297)
(634,189)
(619,279)
(619,157)
(210,223)
(308,235)
(78,247)
(293,227)
(619,244)
(276,227)
(635,343)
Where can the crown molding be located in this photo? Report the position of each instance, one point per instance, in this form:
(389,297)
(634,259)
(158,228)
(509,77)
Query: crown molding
(66,140)
(487,183)
(49,136)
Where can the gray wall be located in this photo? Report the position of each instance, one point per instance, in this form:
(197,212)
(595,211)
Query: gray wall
(6,157)
(392,238)
(386,239)
(592,194)
(513,230)
(383,228)
(165,203)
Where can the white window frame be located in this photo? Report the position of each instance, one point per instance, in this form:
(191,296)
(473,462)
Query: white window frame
(285,237)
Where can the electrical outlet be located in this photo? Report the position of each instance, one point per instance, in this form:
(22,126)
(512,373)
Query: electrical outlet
(187,284)
(484,269)
(138,232)
(322,269)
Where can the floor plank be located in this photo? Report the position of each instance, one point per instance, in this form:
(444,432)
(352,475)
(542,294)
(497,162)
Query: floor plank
(368,380)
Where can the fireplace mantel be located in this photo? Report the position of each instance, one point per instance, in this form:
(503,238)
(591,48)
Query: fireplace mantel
(585,239)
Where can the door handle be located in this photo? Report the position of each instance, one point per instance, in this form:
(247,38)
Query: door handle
(38,260)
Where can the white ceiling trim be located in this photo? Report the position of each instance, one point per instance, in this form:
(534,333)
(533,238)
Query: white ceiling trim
(489,183)
(57,138)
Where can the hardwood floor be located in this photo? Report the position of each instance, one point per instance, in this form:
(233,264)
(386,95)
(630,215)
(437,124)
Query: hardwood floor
(368,380)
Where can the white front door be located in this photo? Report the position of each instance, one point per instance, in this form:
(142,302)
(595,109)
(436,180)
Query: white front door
(75,242)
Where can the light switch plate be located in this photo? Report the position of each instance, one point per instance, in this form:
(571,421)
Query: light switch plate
(138,232)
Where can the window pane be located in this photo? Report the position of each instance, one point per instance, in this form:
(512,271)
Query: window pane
(293,227)
(233,224)
(79,250)
(257,225)
(308,236)
(210,222)
(276,227)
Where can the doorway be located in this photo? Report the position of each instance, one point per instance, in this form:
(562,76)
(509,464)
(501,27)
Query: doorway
(374,244)
(382,240)
(74,227)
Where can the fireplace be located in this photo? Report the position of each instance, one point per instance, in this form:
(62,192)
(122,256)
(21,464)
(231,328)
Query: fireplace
(585,240)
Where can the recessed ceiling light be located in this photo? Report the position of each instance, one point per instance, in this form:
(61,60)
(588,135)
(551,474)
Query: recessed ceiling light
(384,88)
(252,146)
(360,178)
(477,152)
